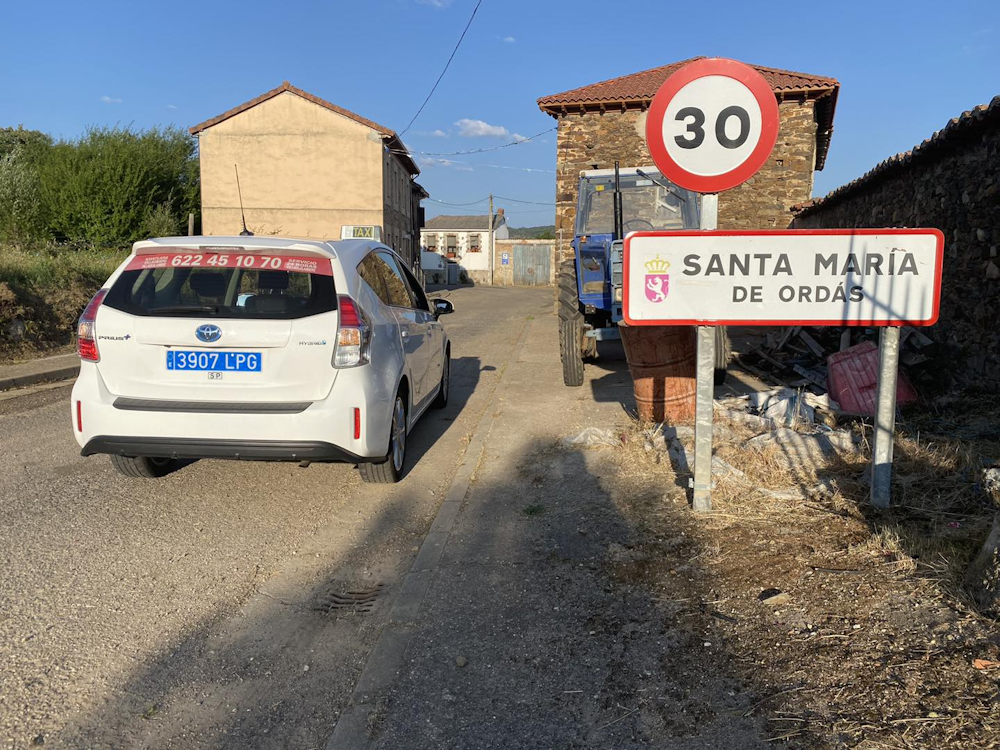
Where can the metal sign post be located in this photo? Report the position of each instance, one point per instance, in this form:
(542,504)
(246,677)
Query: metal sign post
(701,498)
(885,416)
(710,127)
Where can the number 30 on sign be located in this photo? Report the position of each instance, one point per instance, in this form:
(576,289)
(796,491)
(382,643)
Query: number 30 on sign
(712,125)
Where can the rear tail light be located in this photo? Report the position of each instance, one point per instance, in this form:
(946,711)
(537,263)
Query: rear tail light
(86,329)
(352,337)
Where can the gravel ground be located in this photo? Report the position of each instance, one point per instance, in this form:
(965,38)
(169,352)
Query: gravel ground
(530,637)
(188,611)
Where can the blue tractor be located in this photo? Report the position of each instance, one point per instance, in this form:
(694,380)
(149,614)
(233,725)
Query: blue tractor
(612,203)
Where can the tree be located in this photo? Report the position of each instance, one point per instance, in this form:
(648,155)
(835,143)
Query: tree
(35,141)
(107,188)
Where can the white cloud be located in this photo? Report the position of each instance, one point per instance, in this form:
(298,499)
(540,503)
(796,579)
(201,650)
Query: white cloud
(110,100)
(508,40)
(517,137)
(425,163)
(479,129)
(171,106)
(439,133)
(435,3)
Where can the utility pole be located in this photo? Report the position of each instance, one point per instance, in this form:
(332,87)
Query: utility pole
(492,259)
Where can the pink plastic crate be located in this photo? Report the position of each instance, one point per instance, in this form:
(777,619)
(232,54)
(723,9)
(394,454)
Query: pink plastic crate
(853,380)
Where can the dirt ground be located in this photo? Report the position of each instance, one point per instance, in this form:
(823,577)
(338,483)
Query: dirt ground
(577,602)
(866,638)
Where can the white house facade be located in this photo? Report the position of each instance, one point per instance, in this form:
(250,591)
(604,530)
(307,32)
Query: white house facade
(463,240)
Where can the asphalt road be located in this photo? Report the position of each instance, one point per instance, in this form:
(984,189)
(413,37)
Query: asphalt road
(199,610)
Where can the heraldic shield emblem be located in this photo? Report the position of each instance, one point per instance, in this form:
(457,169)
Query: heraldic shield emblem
(657,281)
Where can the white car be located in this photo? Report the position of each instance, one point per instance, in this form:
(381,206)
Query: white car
(258,348)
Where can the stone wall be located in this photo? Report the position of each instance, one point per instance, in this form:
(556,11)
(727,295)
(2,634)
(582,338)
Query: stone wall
(950,182)
(586,140)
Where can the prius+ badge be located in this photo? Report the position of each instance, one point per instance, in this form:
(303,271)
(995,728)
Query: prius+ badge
(208,333)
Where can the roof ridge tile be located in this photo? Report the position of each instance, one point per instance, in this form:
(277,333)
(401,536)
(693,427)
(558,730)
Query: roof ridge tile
(964,121)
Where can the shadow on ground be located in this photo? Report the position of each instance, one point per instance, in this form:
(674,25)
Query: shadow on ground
(567,637)
(276,671)
(570,638)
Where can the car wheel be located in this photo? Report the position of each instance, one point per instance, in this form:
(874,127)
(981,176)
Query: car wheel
(442,398)
(390,470)
(143,467)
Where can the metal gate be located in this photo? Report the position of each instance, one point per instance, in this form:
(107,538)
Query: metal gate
(532,265)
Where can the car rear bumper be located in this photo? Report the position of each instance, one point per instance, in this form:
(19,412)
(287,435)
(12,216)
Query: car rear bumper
(247,450)
(260,430)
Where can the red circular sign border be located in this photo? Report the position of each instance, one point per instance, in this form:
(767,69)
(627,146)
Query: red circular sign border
(770,121)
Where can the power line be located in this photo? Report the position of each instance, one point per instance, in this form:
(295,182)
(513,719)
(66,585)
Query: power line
(517,200)
(450,162)
(474,150)
(497,197)
(450,58)
(444,203)
(518,212)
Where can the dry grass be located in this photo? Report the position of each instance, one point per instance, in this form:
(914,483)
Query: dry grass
(939,517)
(877,625)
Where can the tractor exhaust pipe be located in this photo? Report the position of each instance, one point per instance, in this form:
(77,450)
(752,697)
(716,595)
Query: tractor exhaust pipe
(618,205)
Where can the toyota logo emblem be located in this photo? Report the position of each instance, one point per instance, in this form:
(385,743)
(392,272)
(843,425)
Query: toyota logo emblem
(208,333)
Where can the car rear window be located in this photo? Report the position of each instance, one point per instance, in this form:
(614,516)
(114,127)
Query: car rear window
(224,285)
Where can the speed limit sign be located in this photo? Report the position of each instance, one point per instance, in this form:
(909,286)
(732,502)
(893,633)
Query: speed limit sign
(712,125)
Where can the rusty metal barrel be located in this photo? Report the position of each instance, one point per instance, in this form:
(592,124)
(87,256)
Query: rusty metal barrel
(662,360)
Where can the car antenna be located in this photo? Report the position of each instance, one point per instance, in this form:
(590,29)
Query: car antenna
(246,232)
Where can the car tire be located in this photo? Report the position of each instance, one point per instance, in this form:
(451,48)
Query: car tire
(390,470)
(570,324)
(721,354)
(441,400)
(143,467)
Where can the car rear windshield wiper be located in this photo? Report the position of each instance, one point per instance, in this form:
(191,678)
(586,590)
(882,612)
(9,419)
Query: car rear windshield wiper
(185,309)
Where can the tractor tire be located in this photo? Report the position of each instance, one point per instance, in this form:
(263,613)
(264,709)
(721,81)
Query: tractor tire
(721,354)
(570,324)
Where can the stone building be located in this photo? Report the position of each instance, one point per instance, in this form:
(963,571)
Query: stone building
(308,168)
(950,182)
(606,121)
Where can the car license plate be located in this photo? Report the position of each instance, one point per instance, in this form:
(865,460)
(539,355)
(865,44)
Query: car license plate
(213,361)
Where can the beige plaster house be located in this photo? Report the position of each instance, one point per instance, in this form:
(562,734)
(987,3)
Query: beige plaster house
(307,168)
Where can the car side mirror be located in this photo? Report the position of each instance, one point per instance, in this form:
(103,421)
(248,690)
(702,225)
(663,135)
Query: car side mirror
(442,307)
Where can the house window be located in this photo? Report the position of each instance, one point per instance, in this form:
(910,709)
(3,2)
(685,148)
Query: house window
(451,242)
(474,243)
(431,243)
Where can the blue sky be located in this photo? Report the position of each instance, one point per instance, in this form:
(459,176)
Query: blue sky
(905,68)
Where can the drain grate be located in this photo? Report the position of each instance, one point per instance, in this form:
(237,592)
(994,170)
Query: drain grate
(336,600)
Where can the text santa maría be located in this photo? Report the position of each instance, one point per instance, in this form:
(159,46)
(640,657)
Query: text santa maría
(895,263)
(853,268)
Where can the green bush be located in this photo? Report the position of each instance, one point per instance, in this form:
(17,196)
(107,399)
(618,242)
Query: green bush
(161,221)
(34,141)
(22,218)
(107,187)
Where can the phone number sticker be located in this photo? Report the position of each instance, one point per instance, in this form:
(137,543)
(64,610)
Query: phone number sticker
(291,263)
